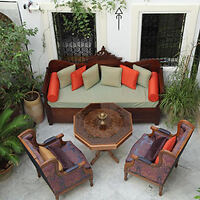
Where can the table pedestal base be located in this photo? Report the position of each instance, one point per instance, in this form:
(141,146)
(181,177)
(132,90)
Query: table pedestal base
(97,155)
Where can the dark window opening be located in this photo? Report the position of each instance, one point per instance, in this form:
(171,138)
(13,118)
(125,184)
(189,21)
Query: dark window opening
(71,46)
(162,36)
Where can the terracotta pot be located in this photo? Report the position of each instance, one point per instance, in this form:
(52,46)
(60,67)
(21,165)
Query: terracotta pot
(34,107)
(4,174)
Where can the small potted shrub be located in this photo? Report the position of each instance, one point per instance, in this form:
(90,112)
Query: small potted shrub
(17,77)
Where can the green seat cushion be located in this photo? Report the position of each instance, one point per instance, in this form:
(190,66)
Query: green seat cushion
(144,76)
(64,76)
(123,96)
(91,76)
(111,76)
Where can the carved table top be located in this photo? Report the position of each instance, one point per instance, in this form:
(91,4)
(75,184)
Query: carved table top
(102,134)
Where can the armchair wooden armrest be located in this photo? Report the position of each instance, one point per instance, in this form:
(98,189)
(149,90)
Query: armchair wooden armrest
(160,130)
(53,139)
(53,165)
(79,165)
(164,157)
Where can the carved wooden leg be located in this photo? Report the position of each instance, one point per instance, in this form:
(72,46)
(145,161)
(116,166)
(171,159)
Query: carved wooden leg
(39,175)
(125,176)
(57,197)
(113,157)
(160,189)
(91,178)
(97,155)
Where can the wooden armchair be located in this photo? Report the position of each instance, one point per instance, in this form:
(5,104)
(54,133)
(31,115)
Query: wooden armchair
(137,163)
(59,181)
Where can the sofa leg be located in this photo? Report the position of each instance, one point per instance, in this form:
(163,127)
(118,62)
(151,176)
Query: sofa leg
(57,197)
(160,189)
(176,165)
(125,176)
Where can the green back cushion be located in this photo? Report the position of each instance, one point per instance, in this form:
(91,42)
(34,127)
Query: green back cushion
(144,76)
(111,76)
(91,76)
(64,76)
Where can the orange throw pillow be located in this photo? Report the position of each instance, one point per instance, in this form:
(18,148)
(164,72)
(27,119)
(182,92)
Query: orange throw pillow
(54,86)
(168,146)
(76,78)
(129,77)
(153,87)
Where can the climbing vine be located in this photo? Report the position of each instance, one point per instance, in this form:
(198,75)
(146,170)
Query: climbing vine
(82,10)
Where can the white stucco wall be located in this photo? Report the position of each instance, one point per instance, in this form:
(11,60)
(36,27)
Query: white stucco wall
(124,43)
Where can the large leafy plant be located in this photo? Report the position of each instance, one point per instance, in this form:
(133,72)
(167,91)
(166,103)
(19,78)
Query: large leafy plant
(181,99)
(10,146)
(16,75)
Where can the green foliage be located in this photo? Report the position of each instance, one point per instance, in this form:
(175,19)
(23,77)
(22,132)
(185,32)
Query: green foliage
(16,76)
(198,196)
(181,99)
(83,9)
(10,146)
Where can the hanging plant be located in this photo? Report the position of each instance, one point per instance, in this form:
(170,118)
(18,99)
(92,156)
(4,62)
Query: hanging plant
(82,11)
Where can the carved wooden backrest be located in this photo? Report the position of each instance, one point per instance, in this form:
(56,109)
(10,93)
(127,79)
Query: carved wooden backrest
(184,132)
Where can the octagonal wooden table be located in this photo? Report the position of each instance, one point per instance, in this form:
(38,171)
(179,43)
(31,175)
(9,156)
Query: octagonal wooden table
(102,127)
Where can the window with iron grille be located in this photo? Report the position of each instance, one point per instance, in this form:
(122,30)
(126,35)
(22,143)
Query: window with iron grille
(71,46)
(162,37)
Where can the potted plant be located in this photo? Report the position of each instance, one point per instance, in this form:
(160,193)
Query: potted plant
(17,77)
(33,106)
(181,99)
(10,146)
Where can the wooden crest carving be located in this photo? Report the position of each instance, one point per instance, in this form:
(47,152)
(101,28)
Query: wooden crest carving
(103,57)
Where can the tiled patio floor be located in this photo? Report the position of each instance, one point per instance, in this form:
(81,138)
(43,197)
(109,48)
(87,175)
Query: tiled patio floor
(23,183)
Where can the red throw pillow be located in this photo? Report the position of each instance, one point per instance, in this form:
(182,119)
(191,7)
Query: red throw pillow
(129,77)
(153,87)
(168,146)
(76,78)
(54,86)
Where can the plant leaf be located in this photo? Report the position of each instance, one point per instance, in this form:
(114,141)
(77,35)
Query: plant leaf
(4,117)
(14,144)
(19,122)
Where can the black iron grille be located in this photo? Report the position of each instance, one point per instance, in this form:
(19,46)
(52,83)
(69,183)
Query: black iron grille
(162,37)
(70,46)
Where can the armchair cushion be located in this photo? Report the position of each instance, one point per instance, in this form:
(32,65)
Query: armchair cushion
(46,155)
(168,146)
(74,154)
(61,156)
(155,148)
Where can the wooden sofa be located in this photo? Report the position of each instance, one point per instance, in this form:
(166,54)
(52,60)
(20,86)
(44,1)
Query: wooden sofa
(103,57)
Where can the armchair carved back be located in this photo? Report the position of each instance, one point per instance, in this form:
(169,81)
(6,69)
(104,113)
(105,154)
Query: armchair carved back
(184,132)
